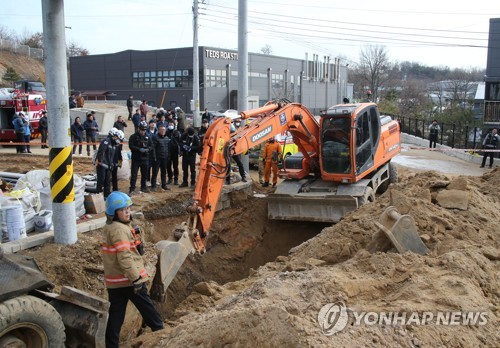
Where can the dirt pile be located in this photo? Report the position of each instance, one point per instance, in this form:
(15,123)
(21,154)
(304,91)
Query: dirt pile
(278,304)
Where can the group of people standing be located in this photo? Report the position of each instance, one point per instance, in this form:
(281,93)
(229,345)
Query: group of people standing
(156,149)
(90,127)
(22,128)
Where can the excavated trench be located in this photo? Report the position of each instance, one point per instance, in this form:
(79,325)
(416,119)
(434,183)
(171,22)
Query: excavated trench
(241,239)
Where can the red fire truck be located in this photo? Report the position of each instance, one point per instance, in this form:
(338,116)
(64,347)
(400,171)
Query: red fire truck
(12,101)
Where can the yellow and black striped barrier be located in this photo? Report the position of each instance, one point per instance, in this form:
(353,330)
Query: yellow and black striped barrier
(61,175)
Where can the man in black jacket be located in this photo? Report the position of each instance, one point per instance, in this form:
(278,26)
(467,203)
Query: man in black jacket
(106,160)
(120,124)
(91,129)
(190,144)
(490,142)
(161,144)
(43,125)
(174,147)
(130,106)
(141,147)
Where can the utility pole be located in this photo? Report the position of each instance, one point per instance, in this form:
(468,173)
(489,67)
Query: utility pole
(242,55)
(196,69)
(243,65)
(60,158)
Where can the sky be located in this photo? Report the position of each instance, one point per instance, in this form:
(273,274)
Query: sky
(452,33)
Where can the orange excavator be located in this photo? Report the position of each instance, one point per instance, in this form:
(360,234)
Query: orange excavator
(344,159)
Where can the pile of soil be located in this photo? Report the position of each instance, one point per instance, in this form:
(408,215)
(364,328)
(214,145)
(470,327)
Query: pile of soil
(278,304)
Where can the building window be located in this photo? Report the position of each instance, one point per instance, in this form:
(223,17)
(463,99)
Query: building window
(277,80)
(215,78)
(162,79)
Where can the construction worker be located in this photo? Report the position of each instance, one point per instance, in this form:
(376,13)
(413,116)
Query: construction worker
(261,164)
(124,269)
(272,152)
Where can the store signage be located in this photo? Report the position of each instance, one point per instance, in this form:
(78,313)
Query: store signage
(221,54)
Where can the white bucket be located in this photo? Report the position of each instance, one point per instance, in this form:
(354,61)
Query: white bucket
(43,221)
(14,219)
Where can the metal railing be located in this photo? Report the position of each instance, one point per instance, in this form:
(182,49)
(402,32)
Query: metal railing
(492,111)
(12,46)
(461,136)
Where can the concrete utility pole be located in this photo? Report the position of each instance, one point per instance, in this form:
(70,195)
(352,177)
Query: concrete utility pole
(60,158)
(243,65)
(196,68)
(242,55)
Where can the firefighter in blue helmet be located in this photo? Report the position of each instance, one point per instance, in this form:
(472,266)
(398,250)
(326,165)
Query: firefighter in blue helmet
(124,269)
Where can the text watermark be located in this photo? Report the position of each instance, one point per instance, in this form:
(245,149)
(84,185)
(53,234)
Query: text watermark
(334,317)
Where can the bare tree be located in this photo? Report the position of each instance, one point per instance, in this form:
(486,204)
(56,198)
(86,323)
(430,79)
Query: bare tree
(73,50)
(32,40)
(413,101)
(374,68)
(267,49)
(6,34)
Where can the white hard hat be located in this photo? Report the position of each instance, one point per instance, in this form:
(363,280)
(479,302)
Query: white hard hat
(177,108)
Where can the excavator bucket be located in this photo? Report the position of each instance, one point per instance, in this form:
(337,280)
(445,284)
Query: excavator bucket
(171,255)
(401,231)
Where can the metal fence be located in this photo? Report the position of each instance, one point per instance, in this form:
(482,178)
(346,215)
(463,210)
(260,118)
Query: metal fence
(12,46)
(492,111)
(460,136)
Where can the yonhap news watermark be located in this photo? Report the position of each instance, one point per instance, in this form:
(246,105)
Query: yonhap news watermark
(335,317)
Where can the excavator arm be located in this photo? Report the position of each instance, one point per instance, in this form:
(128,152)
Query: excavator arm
(218,147)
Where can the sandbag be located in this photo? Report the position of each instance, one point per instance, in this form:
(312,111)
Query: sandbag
(39,180)
(30,201)
(124,172)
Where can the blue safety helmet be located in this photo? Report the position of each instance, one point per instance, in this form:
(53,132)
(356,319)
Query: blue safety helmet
(117,200)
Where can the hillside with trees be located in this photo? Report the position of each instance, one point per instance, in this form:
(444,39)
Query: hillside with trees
(15,64)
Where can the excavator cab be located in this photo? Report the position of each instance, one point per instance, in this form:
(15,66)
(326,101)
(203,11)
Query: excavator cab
(336,145)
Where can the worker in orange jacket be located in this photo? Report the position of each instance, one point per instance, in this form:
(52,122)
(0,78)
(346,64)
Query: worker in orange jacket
(272,152)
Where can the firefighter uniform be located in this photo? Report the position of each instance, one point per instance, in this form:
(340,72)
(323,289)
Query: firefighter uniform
(125,274)
(272,151)
(106,161)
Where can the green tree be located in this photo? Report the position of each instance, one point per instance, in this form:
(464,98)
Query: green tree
(11,74)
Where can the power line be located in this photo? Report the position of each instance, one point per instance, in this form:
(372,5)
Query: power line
(362,38)
(357,9)
(315,20)
(357,30)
